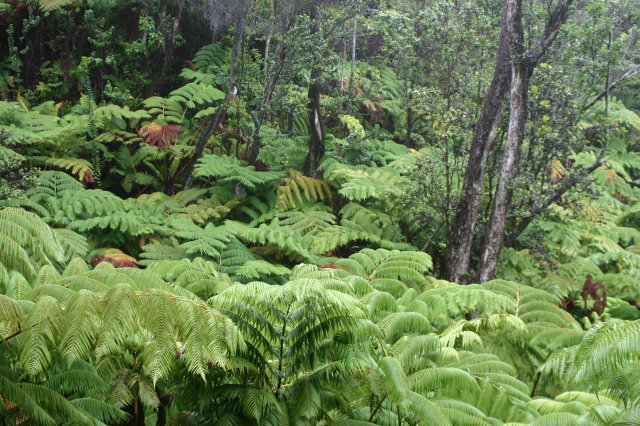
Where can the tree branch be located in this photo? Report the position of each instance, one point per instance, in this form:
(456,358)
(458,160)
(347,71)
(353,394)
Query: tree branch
(557,17)
(566,184)
(232,92)
(630,73)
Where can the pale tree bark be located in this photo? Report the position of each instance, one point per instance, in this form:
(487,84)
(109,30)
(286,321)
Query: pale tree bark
(460,237)
(316,129)
(515,134)
(569,182)
(522,67)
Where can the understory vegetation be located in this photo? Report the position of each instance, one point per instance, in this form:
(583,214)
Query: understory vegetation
(305,212)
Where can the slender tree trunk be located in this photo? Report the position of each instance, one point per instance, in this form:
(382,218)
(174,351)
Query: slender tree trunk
(517,120)
(267,44)
(460,238)
(316,129)
(408,141)
(635,70)
(232,92)
(343,59)
(169,51)
(354,37)
(316,136)
(262,110)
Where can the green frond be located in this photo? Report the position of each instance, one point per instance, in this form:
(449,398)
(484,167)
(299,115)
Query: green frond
(41,327)
(116,115)
(442,378)
(556,419)
(403,323)
(229,169)
(73,244)
(45,405)
(423,411)
(605,348)
(55,4)
(358,183)
(210,58)
(255,403)
(16,286)
(460,300)
(409,267)
(163,110)
(26,401)
(335,236)
(101,410)
(26,242)
(395,381)
(80,334)
(407,349)
(192,95)
(260,268)
(370,220)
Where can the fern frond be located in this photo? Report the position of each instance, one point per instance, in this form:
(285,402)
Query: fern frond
(78,166)
(210,58)
(26,241)
(196,94)
(230,169)
(295,189)
(164,111)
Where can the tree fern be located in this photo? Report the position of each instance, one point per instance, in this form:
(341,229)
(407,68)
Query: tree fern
(286,328)
(26,241)
(603,351)
(296,188)
(164,111)
(229,169)
(359,183)
(192,95)
(117,116)
(210,58)
(409,267)
(77,166)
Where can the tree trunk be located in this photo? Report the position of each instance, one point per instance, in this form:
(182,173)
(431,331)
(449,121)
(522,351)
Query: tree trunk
(460,238)
(316,129)
(408,141)
(522,67)
(354,37)
(267,43)
(260,114)
(232,92)
(517,119)
(169,51)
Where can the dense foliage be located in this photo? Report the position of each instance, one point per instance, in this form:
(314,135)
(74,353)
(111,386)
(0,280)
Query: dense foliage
(249,212)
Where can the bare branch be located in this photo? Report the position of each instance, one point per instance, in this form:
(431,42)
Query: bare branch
(567,183)
(630,73)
